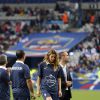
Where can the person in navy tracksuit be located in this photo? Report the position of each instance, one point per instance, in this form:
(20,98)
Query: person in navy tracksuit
(49,79)
(4,79)
(20,76)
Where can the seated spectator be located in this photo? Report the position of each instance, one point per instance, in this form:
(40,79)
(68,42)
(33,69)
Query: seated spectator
(55,27)
(65,18)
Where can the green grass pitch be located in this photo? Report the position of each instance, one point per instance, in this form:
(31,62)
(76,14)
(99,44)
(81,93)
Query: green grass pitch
(80,95)
(85,95)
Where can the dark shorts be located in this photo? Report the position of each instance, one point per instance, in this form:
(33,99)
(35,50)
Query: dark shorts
(53,95)
(21,98)
(5,98)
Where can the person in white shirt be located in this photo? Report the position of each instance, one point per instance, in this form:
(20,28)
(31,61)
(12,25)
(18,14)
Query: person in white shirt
(66,80)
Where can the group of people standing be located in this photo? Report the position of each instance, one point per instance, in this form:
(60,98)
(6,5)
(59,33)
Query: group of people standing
(18,76)
(54,80)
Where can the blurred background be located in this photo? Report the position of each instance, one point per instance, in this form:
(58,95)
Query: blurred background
(36,26)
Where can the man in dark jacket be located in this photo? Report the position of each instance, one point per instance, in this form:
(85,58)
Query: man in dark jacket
(66,80)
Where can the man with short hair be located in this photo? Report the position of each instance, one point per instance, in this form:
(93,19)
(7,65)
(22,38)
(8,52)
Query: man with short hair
(4,79)
(66,80)
(20,77)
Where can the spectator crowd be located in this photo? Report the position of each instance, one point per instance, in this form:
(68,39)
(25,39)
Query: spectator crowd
(62,18)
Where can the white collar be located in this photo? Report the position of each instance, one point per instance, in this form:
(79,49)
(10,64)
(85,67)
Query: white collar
(20,61)
(47,63)
(3,67)
(62,65)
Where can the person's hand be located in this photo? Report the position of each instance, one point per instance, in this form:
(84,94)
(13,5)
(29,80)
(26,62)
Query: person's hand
(8,70)
(68,83)
(32,96)
(48,98)
(38,93)
(10,82)
(59,93)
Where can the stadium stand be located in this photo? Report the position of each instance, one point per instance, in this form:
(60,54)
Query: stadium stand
(42,20)
(43,1)
(84,1)
(27,1)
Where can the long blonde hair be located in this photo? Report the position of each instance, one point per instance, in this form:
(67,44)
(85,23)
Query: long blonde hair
(46,58)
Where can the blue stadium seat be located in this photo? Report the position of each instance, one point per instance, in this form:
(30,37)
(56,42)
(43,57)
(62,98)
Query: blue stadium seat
(84,1)
(28,1)
(43,1)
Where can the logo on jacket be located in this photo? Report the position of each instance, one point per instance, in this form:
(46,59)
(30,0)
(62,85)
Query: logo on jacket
(50,80)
